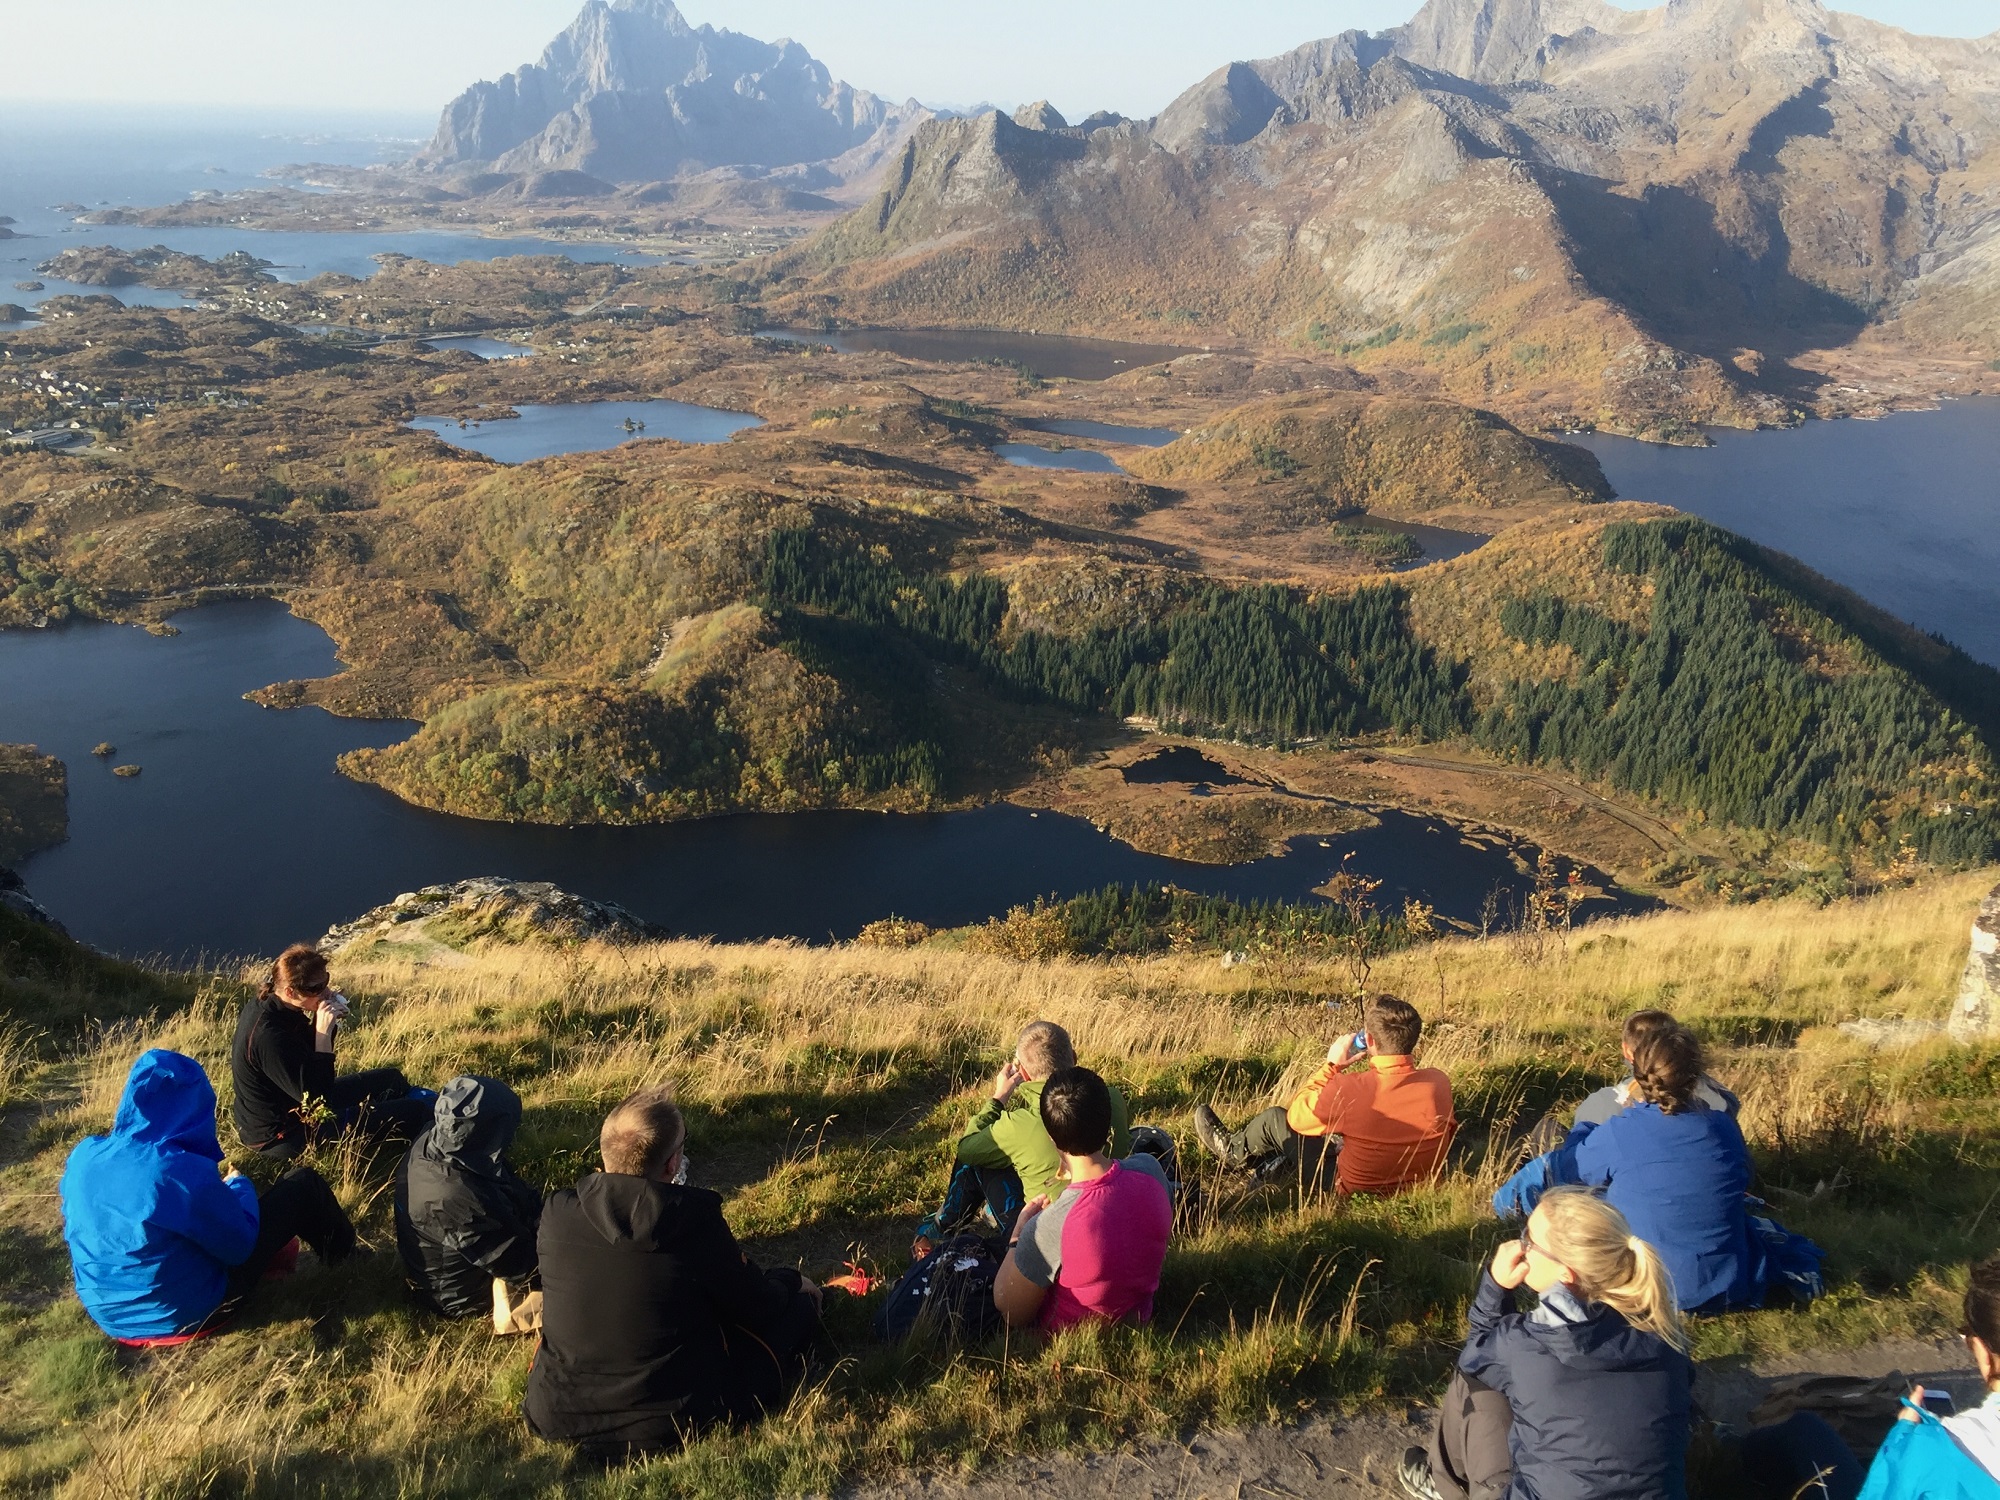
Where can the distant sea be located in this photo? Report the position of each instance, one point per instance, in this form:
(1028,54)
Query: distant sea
(56,160)
(140,158)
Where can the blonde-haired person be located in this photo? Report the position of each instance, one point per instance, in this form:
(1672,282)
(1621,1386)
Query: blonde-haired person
(1004,1156)
(1585,1398)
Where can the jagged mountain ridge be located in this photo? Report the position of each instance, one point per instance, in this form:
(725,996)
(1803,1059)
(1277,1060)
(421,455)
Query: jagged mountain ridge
(1566,209)
(630,92)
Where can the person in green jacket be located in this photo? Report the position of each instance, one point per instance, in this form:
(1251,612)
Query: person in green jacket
(1005,1156)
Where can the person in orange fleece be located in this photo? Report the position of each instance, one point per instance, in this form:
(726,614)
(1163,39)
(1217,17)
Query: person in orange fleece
(1386,1122)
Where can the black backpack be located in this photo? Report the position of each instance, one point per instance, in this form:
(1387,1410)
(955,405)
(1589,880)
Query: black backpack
(948,1295)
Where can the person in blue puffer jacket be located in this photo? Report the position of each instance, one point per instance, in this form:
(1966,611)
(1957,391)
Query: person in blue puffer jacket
(1588,1397)
(162,1245)
(1678,1172)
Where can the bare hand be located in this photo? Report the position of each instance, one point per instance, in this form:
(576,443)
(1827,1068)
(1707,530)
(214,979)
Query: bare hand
(1510,1265)
(1916,1399)
(1009,1078)
(920,1247)
(1032,1207)
(1345,1049)
(326,1017)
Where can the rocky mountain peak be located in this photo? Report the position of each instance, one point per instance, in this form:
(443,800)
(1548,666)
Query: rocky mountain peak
(1500,41)
(631,92)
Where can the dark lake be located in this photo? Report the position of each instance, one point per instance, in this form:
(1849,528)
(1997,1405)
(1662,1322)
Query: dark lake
(239,836)
(1107,432)
(1905,511)
(586,427)
(1052,356)
(481,345)
(1034,456)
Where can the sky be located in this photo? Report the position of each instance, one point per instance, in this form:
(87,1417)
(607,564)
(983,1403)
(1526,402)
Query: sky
(410,56)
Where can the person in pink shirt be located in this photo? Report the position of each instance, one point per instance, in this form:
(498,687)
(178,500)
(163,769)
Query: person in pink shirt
(1093,1253)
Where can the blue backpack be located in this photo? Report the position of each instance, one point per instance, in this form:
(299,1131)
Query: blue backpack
(947,1295)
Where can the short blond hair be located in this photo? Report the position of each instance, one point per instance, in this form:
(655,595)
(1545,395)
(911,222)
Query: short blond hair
(1044,1049)
(642,1134)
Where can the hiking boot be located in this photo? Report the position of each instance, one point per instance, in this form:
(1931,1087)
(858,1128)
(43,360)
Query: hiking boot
(1415,1475)
(1215,1137)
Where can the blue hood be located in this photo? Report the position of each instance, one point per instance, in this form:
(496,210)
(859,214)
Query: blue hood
(168,1102)
(152,1227)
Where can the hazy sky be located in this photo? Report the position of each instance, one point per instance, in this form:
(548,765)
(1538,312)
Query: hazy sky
(413,55)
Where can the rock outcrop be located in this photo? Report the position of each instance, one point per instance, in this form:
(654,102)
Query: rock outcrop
(34,802)
(632,93)
(14,897)
(1975,1015)
(492,907)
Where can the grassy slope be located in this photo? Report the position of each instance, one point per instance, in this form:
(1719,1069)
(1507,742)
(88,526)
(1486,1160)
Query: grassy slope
(823,1087)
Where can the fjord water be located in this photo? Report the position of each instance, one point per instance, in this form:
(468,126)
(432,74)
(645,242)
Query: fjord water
(58,159)
(1905,510)
(586,427)
(239,835)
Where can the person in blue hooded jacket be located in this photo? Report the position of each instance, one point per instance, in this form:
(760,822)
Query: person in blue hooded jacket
(164,1246)
(1678,1172)
(1589,1396)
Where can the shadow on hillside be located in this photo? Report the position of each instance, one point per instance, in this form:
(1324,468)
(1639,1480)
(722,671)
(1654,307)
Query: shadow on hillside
(1666,256)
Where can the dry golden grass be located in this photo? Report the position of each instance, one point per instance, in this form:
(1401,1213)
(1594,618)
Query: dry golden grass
(822,1088)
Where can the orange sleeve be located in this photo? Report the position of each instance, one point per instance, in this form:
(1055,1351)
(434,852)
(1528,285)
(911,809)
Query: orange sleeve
(1318,1107)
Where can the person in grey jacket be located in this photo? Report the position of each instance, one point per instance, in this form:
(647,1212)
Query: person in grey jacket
(464,1218)
(1588,1397)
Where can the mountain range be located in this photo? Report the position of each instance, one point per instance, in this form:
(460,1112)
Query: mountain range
(1574,212)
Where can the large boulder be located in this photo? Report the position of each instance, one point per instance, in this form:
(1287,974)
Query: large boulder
(1976,1012)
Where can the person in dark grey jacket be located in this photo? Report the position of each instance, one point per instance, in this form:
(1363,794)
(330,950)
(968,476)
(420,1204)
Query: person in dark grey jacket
(463,1216)
(1588,1397)
(655,1324)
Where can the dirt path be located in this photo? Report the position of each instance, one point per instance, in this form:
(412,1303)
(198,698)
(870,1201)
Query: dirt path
(1358,1455)
(1647,827)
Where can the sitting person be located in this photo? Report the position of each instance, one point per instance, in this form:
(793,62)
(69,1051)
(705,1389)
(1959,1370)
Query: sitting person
(1677,1172)
(1095,1252)
(164,1247)
(654,1323)
(1587,1396)
(1551,1132)
(1005,1156)
(282,1064)
(1608,1101)
(464,1219)
(1389,1123)
(1804,1456)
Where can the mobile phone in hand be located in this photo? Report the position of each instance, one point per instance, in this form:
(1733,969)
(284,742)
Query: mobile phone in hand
(1939,1403)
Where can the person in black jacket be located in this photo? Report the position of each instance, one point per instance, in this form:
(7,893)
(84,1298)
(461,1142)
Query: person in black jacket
(654,1322)
(287,1094)
(463,1217)
(1588,1397)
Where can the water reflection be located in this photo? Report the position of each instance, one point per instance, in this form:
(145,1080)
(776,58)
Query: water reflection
(585,427)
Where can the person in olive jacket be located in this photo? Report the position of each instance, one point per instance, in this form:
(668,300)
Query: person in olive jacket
(654,1322)
(463,1216)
